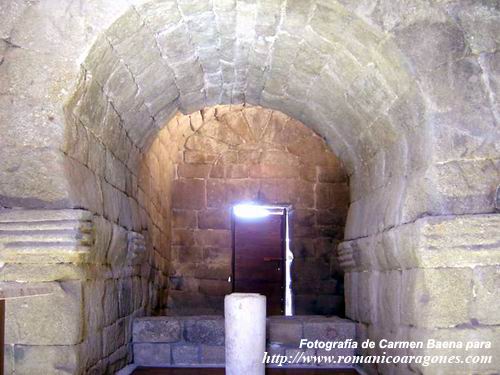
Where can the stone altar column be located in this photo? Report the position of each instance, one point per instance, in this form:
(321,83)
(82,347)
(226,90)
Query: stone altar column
(245,329)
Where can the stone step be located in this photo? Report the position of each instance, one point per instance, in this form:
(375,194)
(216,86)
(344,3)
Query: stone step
(166,341)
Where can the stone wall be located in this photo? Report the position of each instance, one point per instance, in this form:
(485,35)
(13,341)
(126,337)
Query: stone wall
(122,272)
(97,282)
(350,70)
(420,281)
(122,184)
(45,248)
(199,341)
(102,277)
(126,192)
(405,93)
(229,155)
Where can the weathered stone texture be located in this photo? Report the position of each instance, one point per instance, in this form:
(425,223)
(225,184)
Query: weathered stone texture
(54,319)
(106,256)
(431,242)
(253,154)
(431,278)
(181,46)
(214,219)
(204,331)
(203,338)
(212,354)
(189,194)
(431,298)
(56,360)
(405,92)
(485,303)
(152,354)
(465,334)
(287,332)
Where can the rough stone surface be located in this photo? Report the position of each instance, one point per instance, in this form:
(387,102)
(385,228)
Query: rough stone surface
(284,40)
(466,334)
(53,319)
(45,359)
(212,354)
(152,354)
(255,154)
(204,331)
(287,332)
(484,305)
(319,328)
(203,339)
(404,92)
(189,194)
(431,242)
(157,330)
(185,354)
(430,297)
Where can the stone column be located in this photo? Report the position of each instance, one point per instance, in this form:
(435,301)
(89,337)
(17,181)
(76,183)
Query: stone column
(245,327)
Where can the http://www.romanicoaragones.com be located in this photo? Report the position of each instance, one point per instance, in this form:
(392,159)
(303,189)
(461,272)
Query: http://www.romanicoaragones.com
(318,352)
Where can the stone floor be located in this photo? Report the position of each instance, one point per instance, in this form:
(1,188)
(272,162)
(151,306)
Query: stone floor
(220,371)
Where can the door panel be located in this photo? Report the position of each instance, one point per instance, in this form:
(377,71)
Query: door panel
(258,259)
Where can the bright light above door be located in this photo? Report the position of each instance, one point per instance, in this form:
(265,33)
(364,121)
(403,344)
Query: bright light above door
(250,211)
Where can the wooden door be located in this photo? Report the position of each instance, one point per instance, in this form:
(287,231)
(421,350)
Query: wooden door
(258,259)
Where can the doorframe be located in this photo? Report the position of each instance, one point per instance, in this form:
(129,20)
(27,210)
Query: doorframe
(277,209)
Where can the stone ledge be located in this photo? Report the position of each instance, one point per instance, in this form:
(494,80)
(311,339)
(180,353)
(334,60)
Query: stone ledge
(429,242)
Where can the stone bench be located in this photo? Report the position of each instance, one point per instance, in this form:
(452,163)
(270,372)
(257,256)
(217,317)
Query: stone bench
(170,341)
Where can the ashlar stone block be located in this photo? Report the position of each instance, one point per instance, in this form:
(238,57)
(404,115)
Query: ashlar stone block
(42,359)
(215,287)
(205,330)
(430,44)
(389,299)
(211,354)
(193,170)
(213,238)
(462,335)
(185,354)
(189,194)
(157,329)
(322,328)
(486,302)
(286,332)
(436,298)
(215,219)
(113,337)
(53,319)
(152,354)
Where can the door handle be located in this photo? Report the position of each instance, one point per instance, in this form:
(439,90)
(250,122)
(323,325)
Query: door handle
(270,259)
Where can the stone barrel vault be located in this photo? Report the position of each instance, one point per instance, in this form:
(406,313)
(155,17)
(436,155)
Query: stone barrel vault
(405,94)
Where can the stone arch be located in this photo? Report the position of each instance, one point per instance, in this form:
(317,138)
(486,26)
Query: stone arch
(349,83)
(405,95)
(225,155)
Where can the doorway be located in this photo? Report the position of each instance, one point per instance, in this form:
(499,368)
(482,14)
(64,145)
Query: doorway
(261,260)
